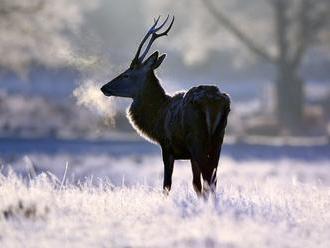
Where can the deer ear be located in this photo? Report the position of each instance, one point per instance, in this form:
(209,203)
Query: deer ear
(154,61)
(159,61)
(151,60)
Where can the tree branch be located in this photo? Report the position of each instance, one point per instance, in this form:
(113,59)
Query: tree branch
(230,26)
(309,26)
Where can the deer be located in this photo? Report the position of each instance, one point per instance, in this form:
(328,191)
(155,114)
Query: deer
(187,126)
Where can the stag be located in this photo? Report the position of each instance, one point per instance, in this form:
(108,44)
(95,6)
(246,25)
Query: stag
(187,125)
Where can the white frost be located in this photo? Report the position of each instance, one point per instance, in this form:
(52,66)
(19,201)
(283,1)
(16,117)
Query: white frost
(282,203)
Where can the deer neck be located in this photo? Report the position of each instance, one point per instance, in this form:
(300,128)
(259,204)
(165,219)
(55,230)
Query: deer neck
(146,111)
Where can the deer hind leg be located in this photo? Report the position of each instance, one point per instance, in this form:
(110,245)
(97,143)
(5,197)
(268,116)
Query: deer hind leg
(196,177)
(205,157)
(209,173)
(200,167)
(207,167)
(210,180)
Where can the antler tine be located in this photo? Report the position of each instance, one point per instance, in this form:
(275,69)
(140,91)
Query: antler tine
(155,36)
(156,20)
(161,26)
(155,23)
(145,38)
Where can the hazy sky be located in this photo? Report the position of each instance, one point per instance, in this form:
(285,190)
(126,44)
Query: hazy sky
(198,49)
(115,29)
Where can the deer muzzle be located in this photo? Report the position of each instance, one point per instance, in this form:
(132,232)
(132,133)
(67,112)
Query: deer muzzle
(105,90)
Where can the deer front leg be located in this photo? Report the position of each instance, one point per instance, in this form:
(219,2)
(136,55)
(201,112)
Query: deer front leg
(168,160)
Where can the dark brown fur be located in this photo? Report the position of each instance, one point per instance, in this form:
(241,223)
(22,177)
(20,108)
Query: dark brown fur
(187,125)
(178,124)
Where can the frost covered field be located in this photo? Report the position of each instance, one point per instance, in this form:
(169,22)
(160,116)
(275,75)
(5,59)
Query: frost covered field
(106,199)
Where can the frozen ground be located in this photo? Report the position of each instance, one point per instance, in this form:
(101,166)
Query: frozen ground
(268,196)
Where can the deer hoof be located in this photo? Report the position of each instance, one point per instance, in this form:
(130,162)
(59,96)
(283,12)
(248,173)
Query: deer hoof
(166,191)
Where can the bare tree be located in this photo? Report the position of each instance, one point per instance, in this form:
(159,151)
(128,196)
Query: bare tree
(297,26)
(36,31)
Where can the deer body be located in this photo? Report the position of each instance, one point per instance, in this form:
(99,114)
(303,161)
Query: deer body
(187,125)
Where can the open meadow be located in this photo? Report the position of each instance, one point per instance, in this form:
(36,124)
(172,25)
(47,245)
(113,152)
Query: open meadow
(110,196)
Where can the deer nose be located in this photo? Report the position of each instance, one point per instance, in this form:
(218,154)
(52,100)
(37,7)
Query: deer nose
(105,90)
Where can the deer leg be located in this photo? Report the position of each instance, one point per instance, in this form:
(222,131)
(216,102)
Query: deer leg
(210,181)
(168,161)
(209,173)
(196,177)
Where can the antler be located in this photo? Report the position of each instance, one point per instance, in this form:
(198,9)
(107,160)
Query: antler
(152,31)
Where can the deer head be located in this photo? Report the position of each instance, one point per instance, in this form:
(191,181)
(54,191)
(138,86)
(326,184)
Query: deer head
(135,78)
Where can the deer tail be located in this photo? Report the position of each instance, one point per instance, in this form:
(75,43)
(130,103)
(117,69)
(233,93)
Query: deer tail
(212,116)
